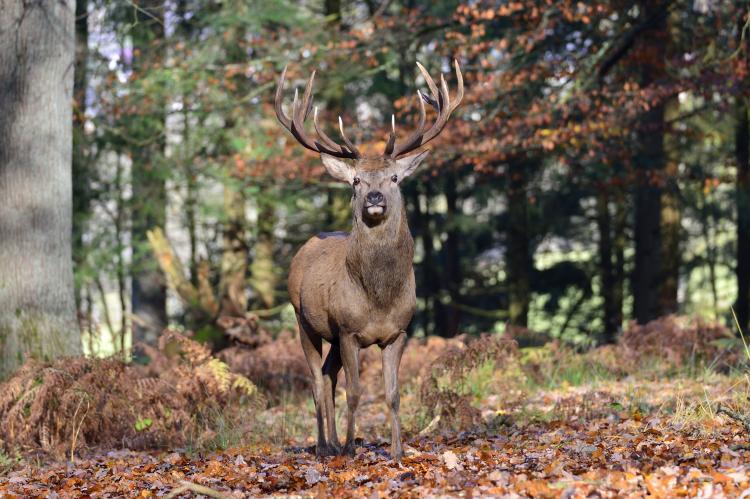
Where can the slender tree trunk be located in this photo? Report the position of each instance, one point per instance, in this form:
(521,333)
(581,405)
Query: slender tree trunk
(37,299)
(425,272)
(452,280)
(518,262)
(710,254)
(81,161)
(649,164)
(263,268)
(120,269)
(149,290)
(671,216)
(619,242)
(234,255)
(434,320)
(606,267)
(742,142)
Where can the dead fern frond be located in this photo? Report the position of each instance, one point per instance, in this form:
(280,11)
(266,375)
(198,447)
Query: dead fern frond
(68,405)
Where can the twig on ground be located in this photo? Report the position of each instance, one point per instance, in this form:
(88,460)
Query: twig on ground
(198,489)
(433,424)
(744,420)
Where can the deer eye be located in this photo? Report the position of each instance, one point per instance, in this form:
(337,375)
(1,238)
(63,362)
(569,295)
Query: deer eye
(355,181)
(394,178)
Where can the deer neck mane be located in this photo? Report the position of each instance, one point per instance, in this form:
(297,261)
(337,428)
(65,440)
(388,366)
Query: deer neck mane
(379,258)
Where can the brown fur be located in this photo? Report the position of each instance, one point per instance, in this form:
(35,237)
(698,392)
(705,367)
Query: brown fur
(355,290)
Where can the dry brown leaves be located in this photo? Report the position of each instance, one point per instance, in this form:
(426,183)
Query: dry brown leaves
(602,451)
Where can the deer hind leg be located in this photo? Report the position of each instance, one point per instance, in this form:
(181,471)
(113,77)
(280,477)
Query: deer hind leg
(350,360)
(331,369)
(312,345)
(391,360)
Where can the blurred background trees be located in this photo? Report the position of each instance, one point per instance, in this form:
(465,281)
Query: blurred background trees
(597,171)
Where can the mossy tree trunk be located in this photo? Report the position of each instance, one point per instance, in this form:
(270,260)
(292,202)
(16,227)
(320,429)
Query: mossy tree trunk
(233,278)
(37,301)
(263,268)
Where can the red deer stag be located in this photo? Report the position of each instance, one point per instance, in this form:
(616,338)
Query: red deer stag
(357,289)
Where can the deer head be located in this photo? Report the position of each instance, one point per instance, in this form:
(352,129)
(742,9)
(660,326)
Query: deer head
(375,180)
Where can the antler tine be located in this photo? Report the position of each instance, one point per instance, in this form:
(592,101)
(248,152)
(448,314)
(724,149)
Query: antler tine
(324,136)
(441,101)
(416,135)
(460,91)
(430,82)
(348,142)
(283,118)
(300,111)
(307,97)
(392,138)
(298,129)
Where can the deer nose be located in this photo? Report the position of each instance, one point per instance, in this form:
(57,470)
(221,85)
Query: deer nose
(375,197)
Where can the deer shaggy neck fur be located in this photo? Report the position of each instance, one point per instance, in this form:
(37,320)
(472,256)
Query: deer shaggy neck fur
(380,257)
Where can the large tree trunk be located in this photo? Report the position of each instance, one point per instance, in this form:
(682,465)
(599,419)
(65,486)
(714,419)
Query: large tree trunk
(649,165)
(149,290)
(518,261)
(37,304)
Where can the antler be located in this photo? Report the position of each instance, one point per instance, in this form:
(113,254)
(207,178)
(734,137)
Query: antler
(440,101)
(300,112)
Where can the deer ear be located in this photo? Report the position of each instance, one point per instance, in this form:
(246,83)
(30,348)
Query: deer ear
(408,165)
(338,168)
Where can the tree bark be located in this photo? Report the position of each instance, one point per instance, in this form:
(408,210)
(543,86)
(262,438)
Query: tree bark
(518,262)
(81,161)
(263,268)
(452,281)
(606,267)
(149,291)
(232,281)
(742,142)
(649,165)
(37,300)
(671,217)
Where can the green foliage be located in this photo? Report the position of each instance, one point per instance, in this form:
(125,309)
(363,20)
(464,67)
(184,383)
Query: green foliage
(142,423)
(8,462)
(549,92)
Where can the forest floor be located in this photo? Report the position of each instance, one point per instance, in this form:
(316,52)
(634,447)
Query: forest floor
(579,432)
(614,438)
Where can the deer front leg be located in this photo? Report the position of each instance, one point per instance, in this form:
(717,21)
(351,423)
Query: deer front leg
(350,359)
(391,361)
(331,369)
(312,345)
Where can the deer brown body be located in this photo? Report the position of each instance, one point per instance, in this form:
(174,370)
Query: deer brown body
(357,289)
